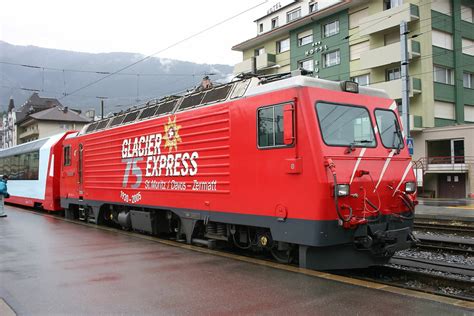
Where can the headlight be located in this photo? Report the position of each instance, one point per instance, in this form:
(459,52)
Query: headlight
(342,190)
(410,187)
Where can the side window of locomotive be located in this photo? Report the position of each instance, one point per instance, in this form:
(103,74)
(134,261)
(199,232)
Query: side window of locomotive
(270,126)
(345,125)
(389,129)
(67,155)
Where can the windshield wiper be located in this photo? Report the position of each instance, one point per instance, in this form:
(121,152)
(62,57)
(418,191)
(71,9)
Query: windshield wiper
(352,145)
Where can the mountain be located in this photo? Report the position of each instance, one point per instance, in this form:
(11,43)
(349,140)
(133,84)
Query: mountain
(62,71)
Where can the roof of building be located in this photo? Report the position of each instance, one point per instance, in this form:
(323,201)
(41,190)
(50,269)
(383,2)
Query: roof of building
(284,29)
(35,104)
(58,114)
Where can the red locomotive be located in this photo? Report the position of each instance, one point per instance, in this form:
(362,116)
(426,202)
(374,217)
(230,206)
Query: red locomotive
(311,170)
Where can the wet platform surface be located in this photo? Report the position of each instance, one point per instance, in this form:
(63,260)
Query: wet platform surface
(49,266)
(446,209)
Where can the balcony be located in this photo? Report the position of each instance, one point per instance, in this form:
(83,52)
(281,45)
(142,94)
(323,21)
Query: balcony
(388,54)
(32,131)
(389,18)
(394,87)
(445,164)
(246,66)
(264,60)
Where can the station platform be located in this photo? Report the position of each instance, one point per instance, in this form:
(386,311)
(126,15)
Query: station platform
(52,266)
(446,209)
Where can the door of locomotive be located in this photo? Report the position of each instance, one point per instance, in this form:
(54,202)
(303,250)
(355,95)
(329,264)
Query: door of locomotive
(70,172)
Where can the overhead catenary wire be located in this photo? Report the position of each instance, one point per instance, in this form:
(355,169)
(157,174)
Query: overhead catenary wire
(100,72)
(144,74)
(183,90)
(164,49)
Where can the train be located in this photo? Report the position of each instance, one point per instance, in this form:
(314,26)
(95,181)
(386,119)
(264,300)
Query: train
(311,171)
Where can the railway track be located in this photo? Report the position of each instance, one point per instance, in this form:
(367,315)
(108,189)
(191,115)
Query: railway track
(432,265)
(418,279)
(463,228)
(446,243)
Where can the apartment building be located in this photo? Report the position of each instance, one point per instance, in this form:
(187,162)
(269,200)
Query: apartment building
(360,41)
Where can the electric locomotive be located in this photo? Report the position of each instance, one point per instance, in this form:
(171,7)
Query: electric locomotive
(313,171)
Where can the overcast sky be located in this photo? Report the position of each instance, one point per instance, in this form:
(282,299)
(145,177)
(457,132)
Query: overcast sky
(137,26)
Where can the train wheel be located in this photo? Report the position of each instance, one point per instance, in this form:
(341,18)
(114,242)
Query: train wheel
(71,212)
(283,255)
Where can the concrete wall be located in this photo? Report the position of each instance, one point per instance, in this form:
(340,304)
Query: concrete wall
(52,128)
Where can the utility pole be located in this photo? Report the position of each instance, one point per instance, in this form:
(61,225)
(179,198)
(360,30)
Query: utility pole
(405,78)
(101,106)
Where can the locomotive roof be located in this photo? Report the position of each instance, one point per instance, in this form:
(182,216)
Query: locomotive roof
(226,92)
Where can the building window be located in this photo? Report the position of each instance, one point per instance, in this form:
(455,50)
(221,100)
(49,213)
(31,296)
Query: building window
(442,39)
(357,49)
(444,110)
(468,79)
(313,7)
(393,74)
(293,15)
(467,47)
(332,58)
(274,23)
(270,126)
(443,6)
(306,64)
(362,80)
(259,51)
(467,14)
(305,37)
(260,27)
(283,45)
(356,17)
(443,75)
(390,4)
(331,29)
(469,113)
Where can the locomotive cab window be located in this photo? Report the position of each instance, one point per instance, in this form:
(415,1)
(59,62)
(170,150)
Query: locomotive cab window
(344,125)
(67,155)
(271,126)
(389,130)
